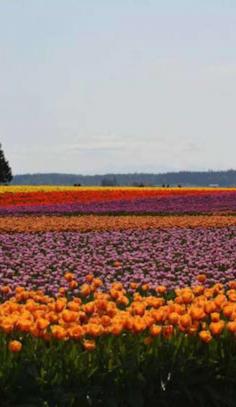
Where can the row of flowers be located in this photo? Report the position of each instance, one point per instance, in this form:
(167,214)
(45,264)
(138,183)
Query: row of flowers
(197,310)
(61,188)
(119,200)
(102,223)
(97,195)
(170,256)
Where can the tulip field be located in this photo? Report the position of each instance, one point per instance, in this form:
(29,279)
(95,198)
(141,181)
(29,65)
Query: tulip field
(117,297)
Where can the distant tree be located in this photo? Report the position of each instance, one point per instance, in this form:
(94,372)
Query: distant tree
(109,182)
(5,170)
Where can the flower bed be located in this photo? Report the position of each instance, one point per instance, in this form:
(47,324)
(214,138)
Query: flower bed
(90,223)
(171,256)
(118,200)
(114,348)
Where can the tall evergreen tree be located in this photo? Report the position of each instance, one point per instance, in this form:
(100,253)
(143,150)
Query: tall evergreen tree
(5,170)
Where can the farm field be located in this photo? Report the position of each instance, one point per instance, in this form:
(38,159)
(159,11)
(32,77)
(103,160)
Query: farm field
(49,200)
(117,296)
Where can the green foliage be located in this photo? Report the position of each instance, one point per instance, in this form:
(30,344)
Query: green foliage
(5,170)
(121,372)
(109,182)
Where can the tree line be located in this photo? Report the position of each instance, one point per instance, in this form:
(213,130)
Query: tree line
(182,178)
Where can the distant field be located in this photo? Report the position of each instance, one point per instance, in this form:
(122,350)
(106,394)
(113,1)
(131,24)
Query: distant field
(72,200)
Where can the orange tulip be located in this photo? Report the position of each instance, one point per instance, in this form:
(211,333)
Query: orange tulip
(145,287)
(15,346)
(94,329)
(155,330)
(197,313)
(232,296)
(158,315)
(89,307)
(198,289)
(97,282)
(105,320)
(116,328)
(76,332)
(89,278)
(58,332)
(210,307)
(60,305)
(216,327)
(69,276)
(89,344)
(174,318)
(24,325)
(117,264)
(228,310)
(185,320)
(122,300)
(69,316)
(42,323)
(138,309)
(133,285)
(85,290)
(205,336)
(231,326)
(73,306)
(187,296)
(5,289)
(215,316)
(7,326)
(201,278)
(73,284)
(220,299)
(161,289)
(232,284)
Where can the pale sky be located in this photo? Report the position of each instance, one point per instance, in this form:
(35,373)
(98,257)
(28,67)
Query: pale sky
(97,86)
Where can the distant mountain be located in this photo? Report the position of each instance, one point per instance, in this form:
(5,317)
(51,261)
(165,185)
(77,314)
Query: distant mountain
(184,178)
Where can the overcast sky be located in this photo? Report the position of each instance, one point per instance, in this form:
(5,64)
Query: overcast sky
(96,86)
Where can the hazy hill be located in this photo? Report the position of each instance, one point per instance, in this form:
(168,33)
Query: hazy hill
(185,178)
